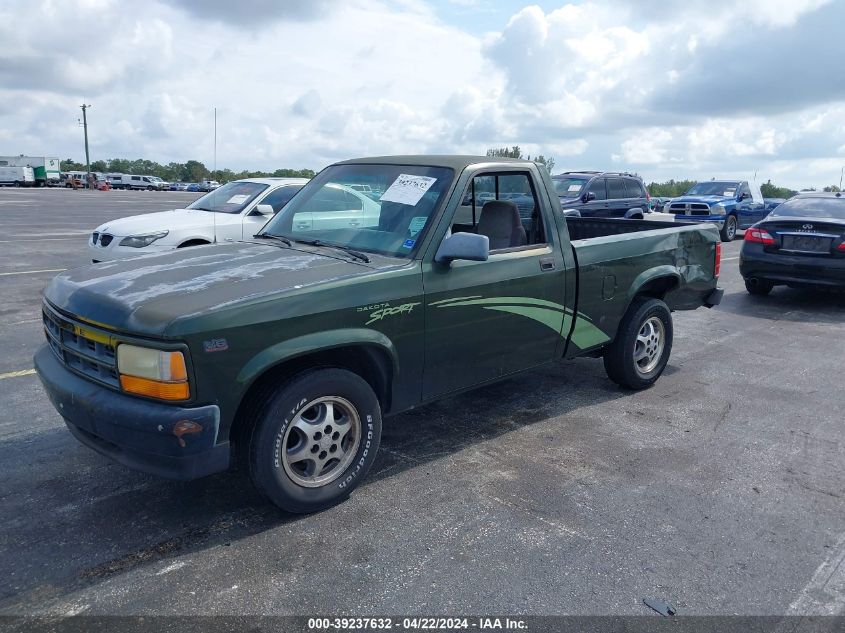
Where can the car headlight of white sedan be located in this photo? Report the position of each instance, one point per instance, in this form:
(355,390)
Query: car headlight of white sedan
(140,241)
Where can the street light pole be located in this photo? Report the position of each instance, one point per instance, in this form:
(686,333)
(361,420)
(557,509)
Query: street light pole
(85,107)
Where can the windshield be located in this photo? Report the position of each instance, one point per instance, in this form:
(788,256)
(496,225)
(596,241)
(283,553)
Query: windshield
(230,198)
(569,187)
(812,208)
(332,209)
(713,188)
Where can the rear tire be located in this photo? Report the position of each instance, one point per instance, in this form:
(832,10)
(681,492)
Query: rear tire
(758,287)
(728,232)
(640,352)
(314,439)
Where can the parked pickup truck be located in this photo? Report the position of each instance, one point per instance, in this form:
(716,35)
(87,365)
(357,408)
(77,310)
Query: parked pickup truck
(729,204)
(285,351)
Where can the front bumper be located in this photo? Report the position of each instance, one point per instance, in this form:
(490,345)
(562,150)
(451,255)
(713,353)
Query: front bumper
(718,220)
(791,270)
(114,251)
(135,432)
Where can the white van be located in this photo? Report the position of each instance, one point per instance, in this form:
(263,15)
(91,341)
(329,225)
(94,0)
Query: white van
(17,176)
(129,181)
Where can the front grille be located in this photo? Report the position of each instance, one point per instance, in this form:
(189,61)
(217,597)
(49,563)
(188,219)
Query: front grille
(74,346)
(105,239)
(689,208)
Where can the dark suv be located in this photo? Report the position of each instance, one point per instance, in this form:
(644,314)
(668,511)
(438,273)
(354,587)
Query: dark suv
(602,194)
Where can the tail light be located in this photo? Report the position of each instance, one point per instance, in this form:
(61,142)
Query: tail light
(841,247)
(759,236)
(717,268)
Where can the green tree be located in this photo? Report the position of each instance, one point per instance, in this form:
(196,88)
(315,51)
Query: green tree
(516,152)
(772,191)
(99,165)
(671,188)
(70,165)
(831,189)
(194,171)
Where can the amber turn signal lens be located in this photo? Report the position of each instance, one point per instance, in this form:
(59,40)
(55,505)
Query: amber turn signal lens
(155,389)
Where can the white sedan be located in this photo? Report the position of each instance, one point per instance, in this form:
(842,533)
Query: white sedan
(233,212)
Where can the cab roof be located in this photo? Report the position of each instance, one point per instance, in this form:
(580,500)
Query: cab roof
(456,162)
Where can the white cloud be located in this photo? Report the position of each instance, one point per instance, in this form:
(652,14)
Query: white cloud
(701,87)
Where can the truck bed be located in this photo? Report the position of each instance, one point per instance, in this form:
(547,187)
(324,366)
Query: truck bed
(586,228)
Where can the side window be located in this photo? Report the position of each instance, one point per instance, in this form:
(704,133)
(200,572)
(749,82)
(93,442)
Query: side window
(135,178)
(597,187)
(280,197)
(328,199)
(615,189)
(744,190)
(634,188)
(517,222)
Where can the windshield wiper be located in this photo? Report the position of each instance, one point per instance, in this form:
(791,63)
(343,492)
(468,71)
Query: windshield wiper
(270,236)
(356,254)
(202,209)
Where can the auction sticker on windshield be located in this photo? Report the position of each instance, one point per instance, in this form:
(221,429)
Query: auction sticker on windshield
(408,189)
(238,199)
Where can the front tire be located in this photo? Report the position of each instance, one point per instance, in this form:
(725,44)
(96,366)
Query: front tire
(639,353)
(314,440)
(728,231)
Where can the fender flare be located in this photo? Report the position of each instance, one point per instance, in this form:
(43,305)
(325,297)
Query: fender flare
(299,346)
(666,271)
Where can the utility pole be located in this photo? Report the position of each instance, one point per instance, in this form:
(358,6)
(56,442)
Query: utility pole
(84,107)
(215,138)
(842,171)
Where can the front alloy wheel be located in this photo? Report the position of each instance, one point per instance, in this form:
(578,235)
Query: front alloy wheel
(321,441)
(313,438)
(728,232)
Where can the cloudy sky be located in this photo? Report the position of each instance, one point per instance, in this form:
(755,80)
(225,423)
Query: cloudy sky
(690,89)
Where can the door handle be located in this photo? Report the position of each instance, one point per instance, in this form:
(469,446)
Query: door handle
(547,263)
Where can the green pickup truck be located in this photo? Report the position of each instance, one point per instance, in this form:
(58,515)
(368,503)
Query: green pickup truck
(284,352)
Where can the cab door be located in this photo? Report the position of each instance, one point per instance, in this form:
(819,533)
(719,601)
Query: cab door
(485,320)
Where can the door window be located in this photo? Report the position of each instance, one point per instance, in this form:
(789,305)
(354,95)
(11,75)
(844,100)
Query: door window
(615,189)
(521,211)
(597,187)
(634,188)
(280,197)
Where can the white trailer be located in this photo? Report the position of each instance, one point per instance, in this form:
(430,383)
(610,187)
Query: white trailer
(45,168)
(17,176)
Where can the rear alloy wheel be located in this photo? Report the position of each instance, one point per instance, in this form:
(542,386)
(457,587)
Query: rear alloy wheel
(315,439)
(728,232)
(758,287)
(640,352)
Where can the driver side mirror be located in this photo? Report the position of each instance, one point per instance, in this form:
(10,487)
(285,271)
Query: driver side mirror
(468,246)
(744,196)
(588,196)
(265,209)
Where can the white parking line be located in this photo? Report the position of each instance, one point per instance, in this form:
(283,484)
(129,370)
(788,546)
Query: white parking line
(45,239)
(33,272)
(16,374)
(825,593)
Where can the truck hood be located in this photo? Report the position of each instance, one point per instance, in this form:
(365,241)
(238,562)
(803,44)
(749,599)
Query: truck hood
(710,200)
(146,294)
(173,220)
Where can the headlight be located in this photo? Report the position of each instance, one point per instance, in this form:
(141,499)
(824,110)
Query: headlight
(152,372)
(140,241)
(717,209)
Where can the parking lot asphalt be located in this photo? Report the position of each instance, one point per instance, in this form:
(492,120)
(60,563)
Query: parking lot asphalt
(721,490)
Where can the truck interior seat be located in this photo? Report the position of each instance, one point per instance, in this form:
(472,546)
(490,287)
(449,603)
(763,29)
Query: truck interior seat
(501,223)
